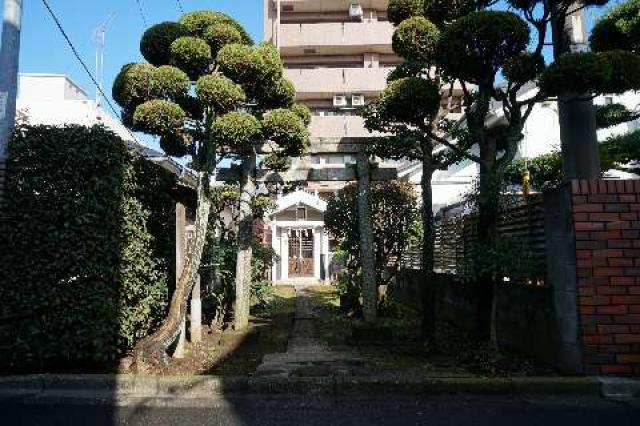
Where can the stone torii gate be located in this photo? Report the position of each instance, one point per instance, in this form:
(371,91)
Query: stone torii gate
(363,174)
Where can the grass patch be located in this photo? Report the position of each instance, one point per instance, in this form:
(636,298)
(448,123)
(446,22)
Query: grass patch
(281,300)
(391,344)
(479,358)
(240,353)
(394,344)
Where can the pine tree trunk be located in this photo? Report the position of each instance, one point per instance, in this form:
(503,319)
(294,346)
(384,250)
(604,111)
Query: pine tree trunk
(151,352)
(245,235)
(487,228)
(428,288)
(369,285)
(578,130)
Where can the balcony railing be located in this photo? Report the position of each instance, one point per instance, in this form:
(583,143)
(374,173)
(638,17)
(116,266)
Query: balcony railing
(332,5)
(338,127)
(340,34)
(329,81)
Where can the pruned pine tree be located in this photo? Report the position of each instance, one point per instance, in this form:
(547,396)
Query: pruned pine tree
(617,30)
(207,92)
(410,114)
(477,45)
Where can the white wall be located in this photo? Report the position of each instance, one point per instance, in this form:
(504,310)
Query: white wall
(541,136)
(55,100)
(48,87)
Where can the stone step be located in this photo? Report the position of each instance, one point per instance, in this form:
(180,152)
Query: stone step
(310,358)
(307,354)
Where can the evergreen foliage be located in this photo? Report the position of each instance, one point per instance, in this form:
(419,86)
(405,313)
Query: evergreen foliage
(618,152)
(477,45)
(612,115)
(618,29)
(219,92)
(394,210)
(157,40)
(90,249)
(400,10)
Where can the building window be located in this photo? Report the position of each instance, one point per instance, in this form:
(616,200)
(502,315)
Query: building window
(301,213)
(608,100)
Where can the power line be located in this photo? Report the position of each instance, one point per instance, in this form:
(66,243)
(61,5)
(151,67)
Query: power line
(84,65)
(141,10)
(180,6)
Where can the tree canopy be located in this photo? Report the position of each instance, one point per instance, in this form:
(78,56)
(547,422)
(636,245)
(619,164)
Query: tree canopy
(231,79)
(394,210)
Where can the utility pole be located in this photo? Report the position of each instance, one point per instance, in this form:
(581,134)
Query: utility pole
(578,131)
(9,57)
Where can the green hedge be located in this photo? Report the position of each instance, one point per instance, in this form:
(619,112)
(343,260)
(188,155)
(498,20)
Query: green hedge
(82,275)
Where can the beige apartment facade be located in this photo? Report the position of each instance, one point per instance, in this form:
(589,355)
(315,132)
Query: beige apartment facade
(338,55)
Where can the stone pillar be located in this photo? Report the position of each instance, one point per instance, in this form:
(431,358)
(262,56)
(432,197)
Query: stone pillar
(181,250)
(325,251)
(367,257)
(317,247)
(561,261)
(180,347)
(196,313)
(284,254)
(275,245)
(3,188)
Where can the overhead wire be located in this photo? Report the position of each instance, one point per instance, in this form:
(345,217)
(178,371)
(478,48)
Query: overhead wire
(180,6)
(142,15)
(56,20)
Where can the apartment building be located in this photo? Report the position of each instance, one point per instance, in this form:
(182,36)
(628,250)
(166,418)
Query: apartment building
(338,55)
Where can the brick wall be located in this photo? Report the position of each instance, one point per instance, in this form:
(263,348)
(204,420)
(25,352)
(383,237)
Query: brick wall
(606,220)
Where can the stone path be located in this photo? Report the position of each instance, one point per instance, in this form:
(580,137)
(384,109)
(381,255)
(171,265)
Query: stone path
(307,355)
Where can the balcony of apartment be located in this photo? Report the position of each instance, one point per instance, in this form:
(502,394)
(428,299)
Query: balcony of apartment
(332,5)
(336,38)
(339,126)
(325,82)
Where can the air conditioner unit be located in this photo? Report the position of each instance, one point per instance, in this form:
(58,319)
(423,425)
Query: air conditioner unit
(355,11)
(339,101)
(357,100)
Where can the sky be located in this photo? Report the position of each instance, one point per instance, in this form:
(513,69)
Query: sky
(44,50)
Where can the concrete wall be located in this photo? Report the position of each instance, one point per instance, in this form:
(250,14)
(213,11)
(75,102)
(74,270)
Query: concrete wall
(45,87)
(55,100)
(527,321)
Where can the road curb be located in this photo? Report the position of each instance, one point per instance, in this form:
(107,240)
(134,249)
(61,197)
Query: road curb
(203,387)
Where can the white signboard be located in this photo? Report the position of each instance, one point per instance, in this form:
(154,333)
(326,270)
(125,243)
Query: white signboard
(3,104)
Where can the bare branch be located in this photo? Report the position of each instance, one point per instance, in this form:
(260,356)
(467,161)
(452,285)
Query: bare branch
(455,148)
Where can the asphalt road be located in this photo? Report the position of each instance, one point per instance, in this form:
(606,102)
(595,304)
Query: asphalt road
(387,410)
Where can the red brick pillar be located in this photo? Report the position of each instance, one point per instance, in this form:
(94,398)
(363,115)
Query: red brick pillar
(606,220)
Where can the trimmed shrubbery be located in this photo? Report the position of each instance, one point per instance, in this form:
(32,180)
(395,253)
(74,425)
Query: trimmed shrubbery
(87,249)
